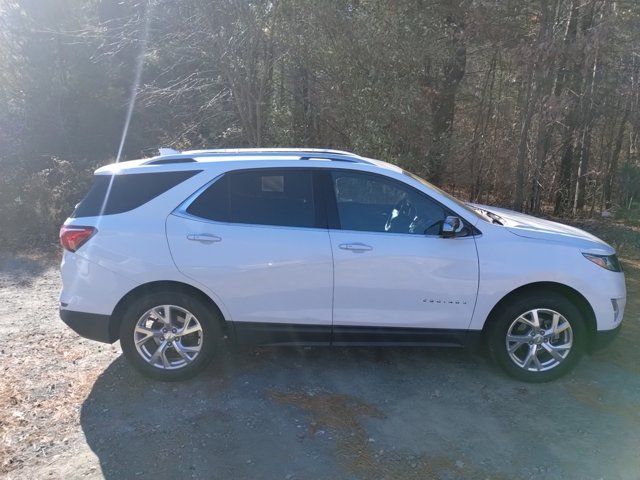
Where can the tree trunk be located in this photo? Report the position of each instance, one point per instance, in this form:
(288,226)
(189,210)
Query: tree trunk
(528,108)
(583,168)
(587,122)
(547,79)
(569,82)
(480,130)
(545,128)
(612,167)
(562,193)
(302,108)
(443,105)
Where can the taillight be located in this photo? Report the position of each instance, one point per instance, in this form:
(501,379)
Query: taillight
(73,237)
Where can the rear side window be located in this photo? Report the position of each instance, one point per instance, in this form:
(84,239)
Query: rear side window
(111,194)
(213,203)
(260,197)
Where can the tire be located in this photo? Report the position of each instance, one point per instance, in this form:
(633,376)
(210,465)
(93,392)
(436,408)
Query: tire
(185,349)
(517,320)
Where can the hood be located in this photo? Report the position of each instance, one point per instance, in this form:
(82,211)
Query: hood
(528,226)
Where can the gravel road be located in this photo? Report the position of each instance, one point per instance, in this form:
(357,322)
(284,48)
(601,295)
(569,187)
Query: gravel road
(71,408)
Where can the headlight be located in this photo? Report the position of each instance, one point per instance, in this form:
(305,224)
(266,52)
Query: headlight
(610,262)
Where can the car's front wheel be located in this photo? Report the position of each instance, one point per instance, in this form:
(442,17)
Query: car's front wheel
(538,337)
(169,336)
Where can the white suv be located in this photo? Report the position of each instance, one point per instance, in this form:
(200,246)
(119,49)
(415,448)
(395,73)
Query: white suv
(175,254)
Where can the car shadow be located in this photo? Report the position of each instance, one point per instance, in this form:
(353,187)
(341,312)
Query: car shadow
(366,413)
(264,412)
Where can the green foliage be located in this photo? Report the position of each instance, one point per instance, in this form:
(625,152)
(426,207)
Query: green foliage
(629,195)
(34,205)
(630,214)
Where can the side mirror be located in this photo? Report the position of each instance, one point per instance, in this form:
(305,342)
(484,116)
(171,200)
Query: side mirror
(451,226)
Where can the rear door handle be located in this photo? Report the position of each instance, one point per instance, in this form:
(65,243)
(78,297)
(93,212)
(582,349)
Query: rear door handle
(356,247)
(204,237)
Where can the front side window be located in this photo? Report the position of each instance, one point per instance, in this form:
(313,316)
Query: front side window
(260,197)
(372,203)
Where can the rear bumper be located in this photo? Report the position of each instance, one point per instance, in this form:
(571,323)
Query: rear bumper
(603,338)
(90,325)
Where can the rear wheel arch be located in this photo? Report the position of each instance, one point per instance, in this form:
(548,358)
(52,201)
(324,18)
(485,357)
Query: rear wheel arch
(571,294)
(151,287)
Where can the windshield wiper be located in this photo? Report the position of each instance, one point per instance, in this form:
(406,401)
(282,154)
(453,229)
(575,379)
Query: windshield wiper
(497,219)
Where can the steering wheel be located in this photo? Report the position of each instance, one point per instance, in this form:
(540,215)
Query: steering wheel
(402,212)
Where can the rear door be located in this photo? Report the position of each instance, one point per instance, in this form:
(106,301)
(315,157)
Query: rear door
(393,273)
(258,240)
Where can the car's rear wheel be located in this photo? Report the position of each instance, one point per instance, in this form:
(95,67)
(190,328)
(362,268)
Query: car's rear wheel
(169,336)
(538,337)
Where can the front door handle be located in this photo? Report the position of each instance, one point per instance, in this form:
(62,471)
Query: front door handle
(204,237)
(356,247)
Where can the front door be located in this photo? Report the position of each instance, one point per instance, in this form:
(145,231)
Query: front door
(391,268)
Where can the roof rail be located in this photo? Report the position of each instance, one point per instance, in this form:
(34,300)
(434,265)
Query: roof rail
(303,153)
(167,157)
(263,151)
(334,157)
(161,160)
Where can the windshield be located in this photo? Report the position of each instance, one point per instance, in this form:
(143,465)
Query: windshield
(460,203)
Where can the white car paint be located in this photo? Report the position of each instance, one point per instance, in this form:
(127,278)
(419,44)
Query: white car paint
(264,274)
(509,261)
(531,227)
(404,280)
(276,274)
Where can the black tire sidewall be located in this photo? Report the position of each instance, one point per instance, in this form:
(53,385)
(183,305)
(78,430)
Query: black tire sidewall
(211,333)
(549,300)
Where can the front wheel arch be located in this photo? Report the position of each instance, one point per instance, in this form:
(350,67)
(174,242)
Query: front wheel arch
(569,293)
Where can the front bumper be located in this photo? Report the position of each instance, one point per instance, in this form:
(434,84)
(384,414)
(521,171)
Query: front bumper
(603,338)
(90,325)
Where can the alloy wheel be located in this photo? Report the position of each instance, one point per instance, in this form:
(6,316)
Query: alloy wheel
(539,340)
(168,337)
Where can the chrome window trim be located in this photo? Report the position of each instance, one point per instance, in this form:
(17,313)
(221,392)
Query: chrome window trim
(181,210)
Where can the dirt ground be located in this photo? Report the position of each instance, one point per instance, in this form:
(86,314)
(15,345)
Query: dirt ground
(72,408)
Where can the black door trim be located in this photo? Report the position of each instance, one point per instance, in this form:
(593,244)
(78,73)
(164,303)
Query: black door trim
(355,335)
(255,333)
